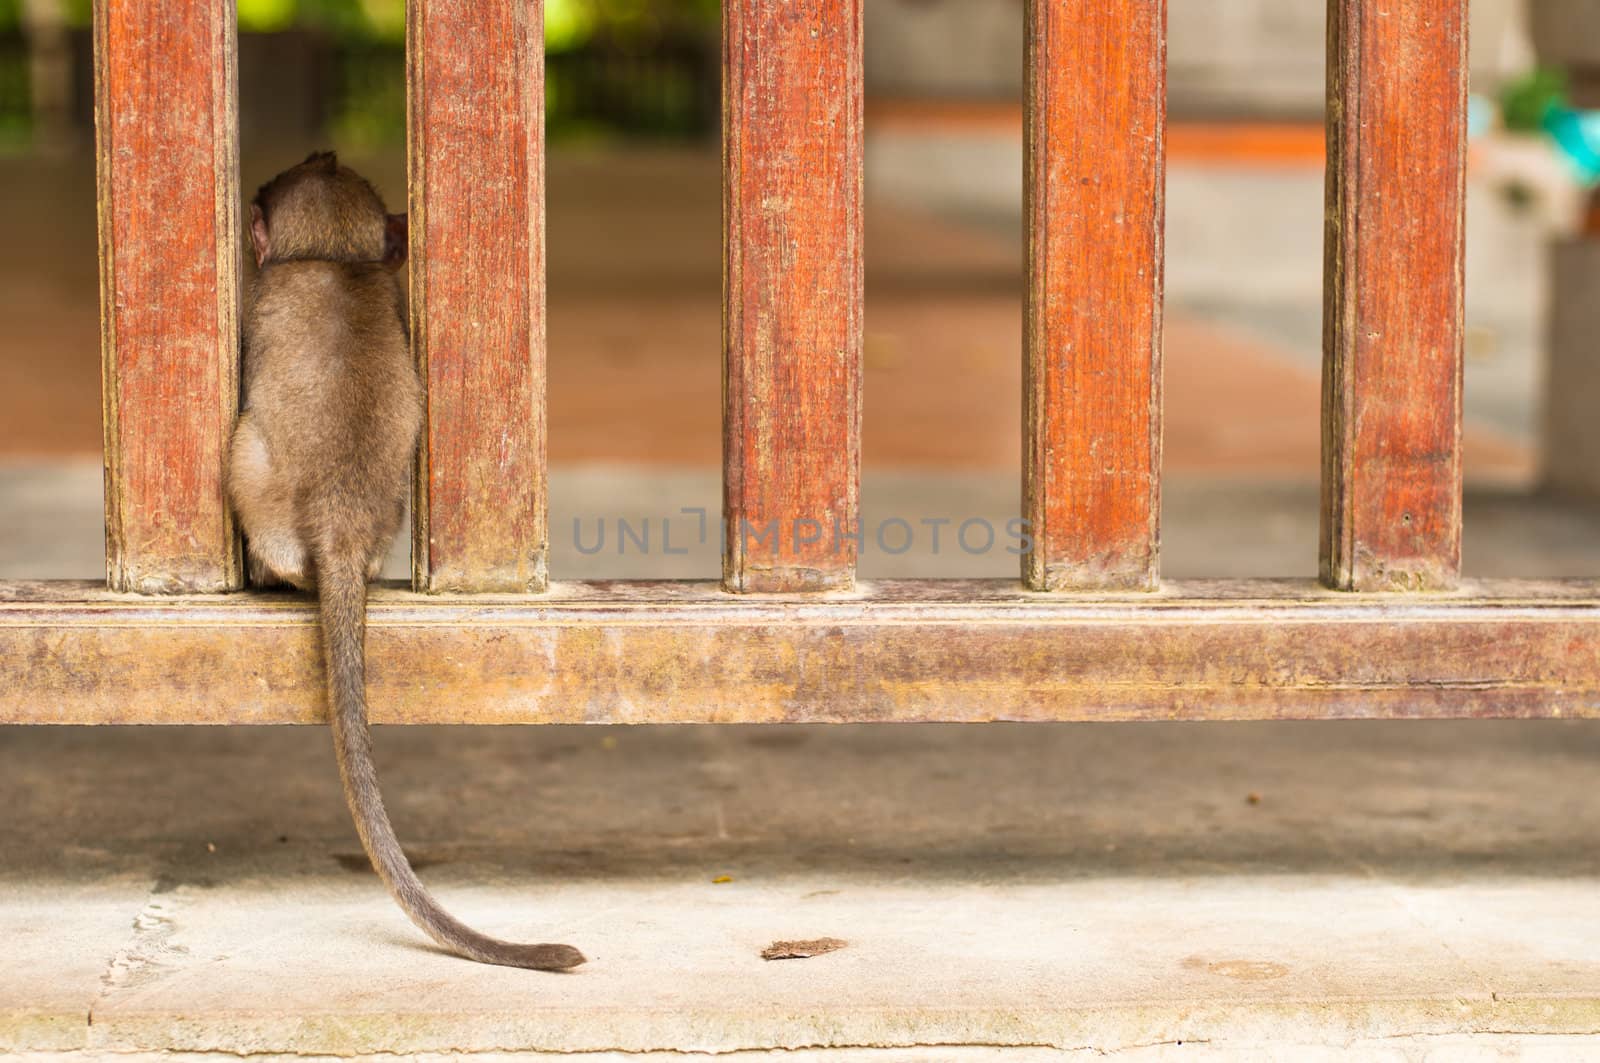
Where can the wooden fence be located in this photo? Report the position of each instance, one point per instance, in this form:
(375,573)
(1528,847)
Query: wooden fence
(1089,632)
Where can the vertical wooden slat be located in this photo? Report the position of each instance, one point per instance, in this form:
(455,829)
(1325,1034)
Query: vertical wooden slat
(792,297)
(1392,332)
(476,105)
(1094,173)
(166,144)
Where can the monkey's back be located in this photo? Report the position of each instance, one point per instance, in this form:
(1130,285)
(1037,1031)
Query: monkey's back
(325,351)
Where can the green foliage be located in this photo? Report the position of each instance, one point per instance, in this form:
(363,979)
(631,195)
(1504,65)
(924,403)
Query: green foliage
(371,98)
(16,98)
(16,88)
(266,16)
(78,13)
(370,20)
(596,87)
(568,24)
(1525,101)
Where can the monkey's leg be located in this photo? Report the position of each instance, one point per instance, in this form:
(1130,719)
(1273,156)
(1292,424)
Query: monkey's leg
(278,566)
(265,508)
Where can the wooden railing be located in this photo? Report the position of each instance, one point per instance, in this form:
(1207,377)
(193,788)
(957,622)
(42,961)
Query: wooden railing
(1090,631)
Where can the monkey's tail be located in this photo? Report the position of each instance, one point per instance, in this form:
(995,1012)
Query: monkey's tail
(342,598)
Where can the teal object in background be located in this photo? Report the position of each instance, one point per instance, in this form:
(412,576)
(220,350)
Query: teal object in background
(1537,102)
(1578,135)
(1481,115)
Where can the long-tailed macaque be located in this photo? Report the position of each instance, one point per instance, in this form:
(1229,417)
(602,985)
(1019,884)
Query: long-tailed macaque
(320,465)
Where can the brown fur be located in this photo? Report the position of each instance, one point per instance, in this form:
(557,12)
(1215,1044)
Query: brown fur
(320,463)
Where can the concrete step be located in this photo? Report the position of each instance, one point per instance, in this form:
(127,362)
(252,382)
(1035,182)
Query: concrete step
(1110,888)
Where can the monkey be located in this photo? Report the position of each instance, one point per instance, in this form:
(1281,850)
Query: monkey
(320,463)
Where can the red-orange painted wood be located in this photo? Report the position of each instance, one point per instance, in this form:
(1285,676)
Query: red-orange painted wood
(168,176)
(478,292)
(1392,332)
(792,301)
(1095,172)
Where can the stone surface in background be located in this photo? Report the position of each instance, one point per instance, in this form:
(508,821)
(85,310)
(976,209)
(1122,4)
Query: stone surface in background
(1571,442)
(1211,527)
(1224,57)
(635,326)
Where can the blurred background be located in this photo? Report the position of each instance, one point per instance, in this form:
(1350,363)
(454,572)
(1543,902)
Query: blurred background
(634,269)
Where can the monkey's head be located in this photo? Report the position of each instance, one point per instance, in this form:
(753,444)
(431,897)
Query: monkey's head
(322,210)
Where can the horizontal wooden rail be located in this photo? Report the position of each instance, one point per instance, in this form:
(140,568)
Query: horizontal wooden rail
(963,651)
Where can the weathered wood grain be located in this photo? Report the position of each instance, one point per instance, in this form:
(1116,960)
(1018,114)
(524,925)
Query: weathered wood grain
(167,151)
(1392,320)
(792,298)
(1095,180)
(476,74)
(956,651)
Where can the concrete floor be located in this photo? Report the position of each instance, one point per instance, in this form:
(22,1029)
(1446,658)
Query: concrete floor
(1111,888)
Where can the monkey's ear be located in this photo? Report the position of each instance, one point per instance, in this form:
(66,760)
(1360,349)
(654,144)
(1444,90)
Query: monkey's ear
(396,240)
(258,234)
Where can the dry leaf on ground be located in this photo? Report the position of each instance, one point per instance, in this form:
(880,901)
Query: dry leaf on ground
(801,950)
